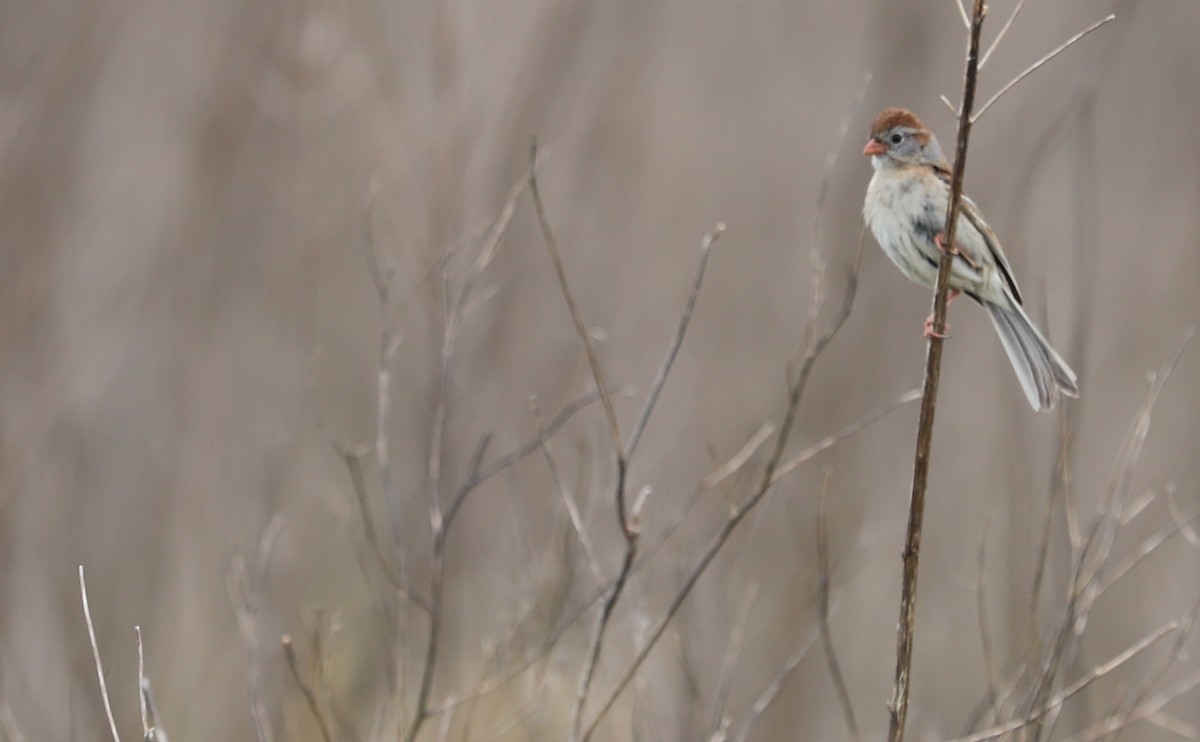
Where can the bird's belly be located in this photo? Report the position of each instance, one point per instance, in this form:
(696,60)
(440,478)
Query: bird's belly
(905,223)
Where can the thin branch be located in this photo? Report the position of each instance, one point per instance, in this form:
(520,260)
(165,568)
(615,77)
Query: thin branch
(628,528)
(1169,659)
(596,643)
(1059,485)
(87,617)
(985,634)
(962,11)
(243,586)
(151,731)
(577,318)
(673,349)
(568,499)
(310,696)
(1033,67)
(949,105)
(771,692)
(353,460)
(1000,36)
(439,519)
(146,732)
(732,652)
(457,314)
(823,583)
(739,459)
(815,346)
(531,446)
(838,436)
(933,370)
(1145,549)
(1074,688)
(1144,711)
(647,554)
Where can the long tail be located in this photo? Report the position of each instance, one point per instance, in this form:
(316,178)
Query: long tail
(1042,372)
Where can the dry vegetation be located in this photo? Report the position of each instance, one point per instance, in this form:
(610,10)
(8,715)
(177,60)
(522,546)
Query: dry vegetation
(378,427)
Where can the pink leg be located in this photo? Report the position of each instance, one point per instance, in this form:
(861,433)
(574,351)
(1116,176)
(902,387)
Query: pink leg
(930,333)
(940,240)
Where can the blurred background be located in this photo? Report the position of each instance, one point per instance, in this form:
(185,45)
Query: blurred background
(190,198)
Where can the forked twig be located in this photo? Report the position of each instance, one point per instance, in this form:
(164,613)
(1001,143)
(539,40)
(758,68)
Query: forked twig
(628,530)
(814,348)
(310,695)
(1074,688)
(1034,67)
(440,518)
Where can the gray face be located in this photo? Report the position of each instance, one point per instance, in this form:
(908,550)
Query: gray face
(908,146)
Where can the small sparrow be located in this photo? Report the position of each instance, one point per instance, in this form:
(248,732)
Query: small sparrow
(906,210)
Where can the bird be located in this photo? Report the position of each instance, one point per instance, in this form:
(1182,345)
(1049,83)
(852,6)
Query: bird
(905,208)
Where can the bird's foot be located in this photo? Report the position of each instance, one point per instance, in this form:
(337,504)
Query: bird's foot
(939,239)
(930,333)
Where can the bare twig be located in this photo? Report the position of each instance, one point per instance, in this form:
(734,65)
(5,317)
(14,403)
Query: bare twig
(962,11)
(531,446)
(310,696)
(646,554)
(142,684)
(739,459)
(660,378)
(568,498)
(1074,688)
(1034,67)
(439,518)
(985,634)
(1147,710)
(87,617)
(628,530)
(1165,663)
(1145,549)
(1000,36)
(771,692)
(244,585)
(353,461)
(151,731)
(815,346)
(577,318)
(824,577)
(933,370)
(838,436)
(719,721)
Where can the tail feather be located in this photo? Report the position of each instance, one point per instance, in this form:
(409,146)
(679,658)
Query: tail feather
(1043,374)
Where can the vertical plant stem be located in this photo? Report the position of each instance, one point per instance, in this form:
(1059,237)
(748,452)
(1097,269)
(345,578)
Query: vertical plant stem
(933,368)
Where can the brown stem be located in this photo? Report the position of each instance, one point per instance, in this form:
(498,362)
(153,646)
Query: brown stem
(933,370)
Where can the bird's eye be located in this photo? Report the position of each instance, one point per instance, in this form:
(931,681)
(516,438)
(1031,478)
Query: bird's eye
(897,138)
